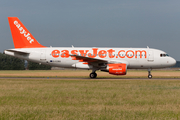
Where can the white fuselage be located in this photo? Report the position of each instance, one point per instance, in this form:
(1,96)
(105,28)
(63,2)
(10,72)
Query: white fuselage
(135,58)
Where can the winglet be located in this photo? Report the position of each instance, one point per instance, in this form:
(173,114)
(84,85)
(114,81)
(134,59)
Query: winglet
(22,38)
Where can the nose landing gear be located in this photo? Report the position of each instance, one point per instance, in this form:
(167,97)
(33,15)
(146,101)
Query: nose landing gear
(149,74)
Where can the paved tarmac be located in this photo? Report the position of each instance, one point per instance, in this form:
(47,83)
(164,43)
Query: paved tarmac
(65,78)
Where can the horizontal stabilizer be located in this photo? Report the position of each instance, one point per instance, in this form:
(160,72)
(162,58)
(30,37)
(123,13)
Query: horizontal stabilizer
(17,51)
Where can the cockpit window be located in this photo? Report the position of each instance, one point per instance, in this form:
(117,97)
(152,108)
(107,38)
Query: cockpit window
(164,55)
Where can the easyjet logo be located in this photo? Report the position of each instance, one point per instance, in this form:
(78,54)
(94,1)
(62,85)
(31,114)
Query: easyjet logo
(117,69)
(111,53)
(23,31)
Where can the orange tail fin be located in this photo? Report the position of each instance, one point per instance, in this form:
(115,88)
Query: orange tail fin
(22,38)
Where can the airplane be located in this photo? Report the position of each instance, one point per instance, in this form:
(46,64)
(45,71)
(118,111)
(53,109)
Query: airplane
(116,61)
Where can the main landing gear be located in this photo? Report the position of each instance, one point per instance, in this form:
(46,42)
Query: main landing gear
(149,74)
(93,74)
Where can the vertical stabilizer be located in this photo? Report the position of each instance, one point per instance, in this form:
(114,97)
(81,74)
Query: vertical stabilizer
(22,38)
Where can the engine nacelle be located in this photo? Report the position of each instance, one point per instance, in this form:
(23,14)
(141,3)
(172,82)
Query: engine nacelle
(117,69)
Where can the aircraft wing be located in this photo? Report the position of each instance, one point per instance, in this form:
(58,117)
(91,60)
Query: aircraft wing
(96,60)
(88,59)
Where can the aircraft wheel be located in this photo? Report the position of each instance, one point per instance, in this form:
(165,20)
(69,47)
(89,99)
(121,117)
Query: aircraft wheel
(149,76)
(93,75)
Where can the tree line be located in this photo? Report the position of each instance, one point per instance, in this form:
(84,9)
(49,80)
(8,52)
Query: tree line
(12,63)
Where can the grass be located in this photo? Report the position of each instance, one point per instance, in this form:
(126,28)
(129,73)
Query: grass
(99,99)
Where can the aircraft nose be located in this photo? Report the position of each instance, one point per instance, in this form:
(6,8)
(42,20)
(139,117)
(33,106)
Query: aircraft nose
(172,61)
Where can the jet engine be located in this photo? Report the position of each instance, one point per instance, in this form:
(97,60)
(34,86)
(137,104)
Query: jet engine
(117,69)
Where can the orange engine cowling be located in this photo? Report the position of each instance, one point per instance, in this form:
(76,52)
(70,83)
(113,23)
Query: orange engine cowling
(117,69)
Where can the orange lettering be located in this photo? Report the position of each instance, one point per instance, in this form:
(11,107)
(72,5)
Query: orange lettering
(83,53)
(120,53)
(102,54)
(94,53)
(130,56)
(111,53)
(55,53)
(65,54)
(140,51)
(74,52)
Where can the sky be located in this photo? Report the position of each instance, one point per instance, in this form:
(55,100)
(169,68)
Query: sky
(96,23)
